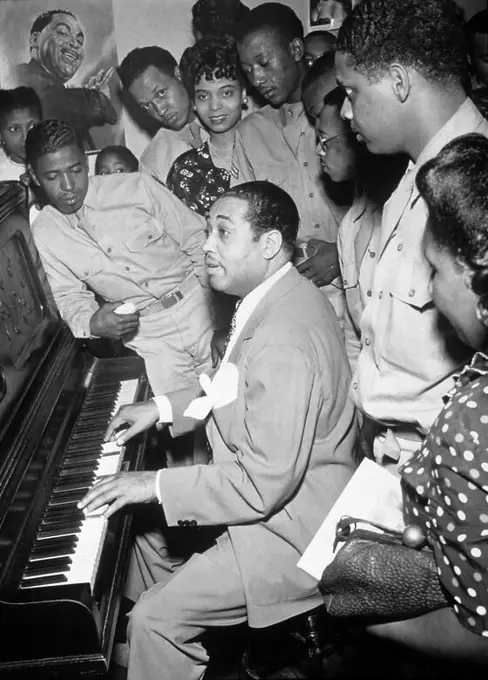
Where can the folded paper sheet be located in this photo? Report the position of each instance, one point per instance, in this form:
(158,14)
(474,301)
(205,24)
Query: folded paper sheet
(372,493)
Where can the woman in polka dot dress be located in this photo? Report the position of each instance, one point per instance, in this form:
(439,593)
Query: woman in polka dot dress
(445,483)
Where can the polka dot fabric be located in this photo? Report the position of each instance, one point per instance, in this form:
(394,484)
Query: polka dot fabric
(446,492)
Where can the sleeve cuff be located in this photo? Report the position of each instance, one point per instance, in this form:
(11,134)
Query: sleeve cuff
(158,487)
(165,409)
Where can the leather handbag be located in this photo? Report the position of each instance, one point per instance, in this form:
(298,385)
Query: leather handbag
(378,575)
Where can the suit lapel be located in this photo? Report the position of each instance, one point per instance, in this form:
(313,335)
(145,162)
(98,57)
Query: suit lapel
(281,288)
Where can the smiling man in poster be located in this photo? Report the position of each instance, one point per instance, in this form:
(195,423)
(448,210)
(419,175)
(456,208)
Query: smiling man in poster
(57,51)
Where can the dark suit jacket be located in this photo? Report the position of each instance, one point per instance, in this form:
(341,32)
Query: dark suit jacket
(281,450)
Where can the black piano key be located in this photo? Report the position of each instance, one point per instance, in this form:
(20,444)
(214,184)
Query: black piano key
(52,522)
(44,581)
(50,553)
(68,472)
(55,543)
(52,532)
(62,502)
(54,563)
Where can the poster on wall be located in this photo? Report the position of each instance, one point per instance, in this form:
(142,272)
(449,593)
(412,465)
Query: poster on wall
(328,15)
(66,52)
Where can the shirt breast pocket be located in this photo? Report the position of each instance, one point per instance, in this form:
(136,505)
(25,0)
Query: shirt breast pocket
(411,283)
(90,268)
(278,173)
(143,238)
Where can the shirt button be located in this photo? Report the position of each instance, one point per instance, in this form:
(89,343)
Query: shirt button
(146,284)
(371,254)
(400,246)
(128,268)
(302,134)
(344,282)
(316,226)
(369,293)
(306,164)
(86,273)
(109,250)
(311,194)
(380,294)
(367,342)
(149,236)
(355,385)
(411,292)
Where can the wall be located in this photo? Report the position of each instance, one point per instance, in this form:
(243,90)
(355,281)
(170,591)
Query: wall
(167,23)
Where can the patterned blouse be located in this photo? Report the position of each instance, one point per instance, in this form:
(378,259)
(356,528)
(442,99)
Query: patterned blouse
(445,488)
(196,180)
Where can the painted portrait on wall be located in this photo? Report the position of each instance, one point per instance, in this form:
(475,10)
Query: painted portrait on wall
(66,52)
(328,14)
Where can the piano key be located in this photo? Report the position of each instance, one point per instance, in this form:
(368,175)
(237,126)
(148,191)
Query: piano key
(90,455)
(43,581)
(55,561)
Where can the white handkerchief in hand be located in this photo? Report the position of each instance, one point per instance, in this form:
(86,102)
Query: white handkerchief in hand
(220,391)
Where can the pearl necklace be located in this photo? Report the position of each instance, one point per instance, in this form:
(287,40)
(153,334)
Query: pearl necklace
(224,158)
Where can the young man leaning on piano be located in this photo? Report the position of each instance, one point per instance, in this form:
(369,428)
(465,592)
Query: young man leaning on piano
(281,427)
(128,239)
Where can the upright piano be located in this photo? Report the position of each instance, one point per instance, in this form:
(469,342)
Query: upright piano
(61,573)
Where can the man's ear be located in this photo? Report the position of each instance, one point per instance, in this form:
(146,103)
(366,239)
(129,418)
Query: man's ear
(401,82)
(33,175)
(34,42)
(273,242)
(297,49)
(178,73)
(468,273)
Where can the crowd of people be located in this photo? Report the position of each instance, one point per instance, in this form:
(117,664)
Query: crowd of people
(301,253)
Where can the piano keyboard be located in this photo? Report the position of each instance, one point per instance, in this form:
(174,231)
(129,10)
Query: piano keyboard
(68,543)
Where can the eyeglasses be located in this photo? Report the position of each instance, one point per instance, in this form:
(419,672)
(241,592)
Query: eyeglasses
(323,141)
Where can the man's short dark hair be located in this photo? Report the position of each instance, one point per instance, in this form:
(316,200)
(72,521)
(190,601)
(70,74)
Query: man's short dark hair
(269,207)
(272,17)
(213,57)
(117,150)
(324,66)
(325,35)
(46,17)
(138,60)
(426,35)
(217,16)
(454,186)
(19,98)
(48,137)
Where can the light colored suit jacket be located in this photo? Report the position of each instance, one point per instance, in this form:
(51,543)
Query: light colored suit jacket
(281,450)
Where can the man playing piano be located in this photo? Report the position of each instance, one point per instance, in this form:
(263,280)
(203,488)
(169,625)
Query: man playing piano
(282,429)
(125,238)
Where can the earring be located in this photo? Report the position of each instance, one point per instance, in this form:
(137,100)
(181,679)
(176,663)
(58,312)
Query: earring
(244,102)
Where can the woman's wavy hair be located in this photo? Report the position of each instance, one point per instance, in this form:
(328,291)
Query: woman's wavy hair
(211,58)
(454,186)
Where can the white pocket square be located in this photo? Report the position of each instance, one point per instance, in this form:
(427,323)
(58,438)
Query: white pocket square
(220,391)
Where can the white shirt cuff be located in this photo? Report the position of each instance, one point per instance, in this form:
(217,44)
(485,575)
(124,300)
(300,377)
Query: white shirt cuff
(165,409)
(158,488)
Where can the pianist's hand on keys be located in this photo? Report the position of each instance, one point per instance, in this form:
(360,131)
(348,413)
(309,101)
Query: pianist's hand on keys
(124,488)
(116,491)
(135,418)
